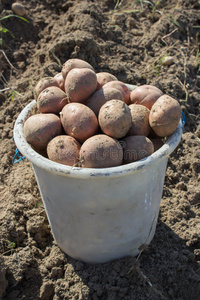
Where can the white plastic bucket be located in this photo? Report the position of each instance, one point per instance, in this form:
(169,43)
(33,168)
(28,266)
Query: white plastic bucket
(97,215)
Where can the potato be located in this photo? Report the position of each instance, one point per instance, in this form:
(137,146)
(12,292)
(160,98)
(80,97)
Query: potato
(79,121)
(140,120)
(44,83)
(115,118)
(101,151)
(74,63)
(18,9)
(64,149)
(42,152)
(59,78)
(157,143)
(39,129)
(100,97)
(51,100)
(80,84)
(103,78)
(165,115)
(136,147)
(145,95)
(119,85)
(152,134)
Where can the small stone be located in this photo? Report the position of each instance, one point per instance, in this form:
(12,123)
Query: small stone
(167,61)
(181,186)
(18,9)
(137,32)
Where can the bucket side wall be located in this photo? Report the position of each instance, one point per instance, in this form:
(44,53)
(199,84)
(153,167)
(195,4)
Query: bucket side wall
(99,219)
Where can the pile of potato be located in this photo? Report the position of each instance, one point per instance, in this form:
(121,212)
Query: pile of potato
(92,120)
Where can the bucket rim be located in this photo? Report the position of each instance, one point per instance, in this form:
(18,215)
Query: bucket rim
(78,172)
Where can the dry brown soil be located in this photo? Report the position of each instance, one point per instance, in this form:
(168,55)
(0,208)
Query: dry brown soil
(129,41)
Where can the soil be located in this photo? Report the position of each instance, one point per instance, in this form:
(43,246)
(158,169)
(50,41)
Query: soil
(129,39)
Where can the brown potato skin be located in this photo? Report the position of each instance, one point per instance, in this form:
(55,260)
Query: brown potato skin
(165,115)
(119,85)
(74,63)
(100,97)
(145,95)
(140,120)
(136,147)
(59,78)
(64,149)
(79,121)
(44,83)
(80,84)
(101,151)
(115,118)
(51,100)
(39,129)
(103,78)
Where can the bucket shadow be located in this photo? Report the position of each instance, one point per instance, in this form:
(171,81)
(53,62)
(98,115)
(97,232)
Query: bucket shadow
(166,269)
(23,285)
